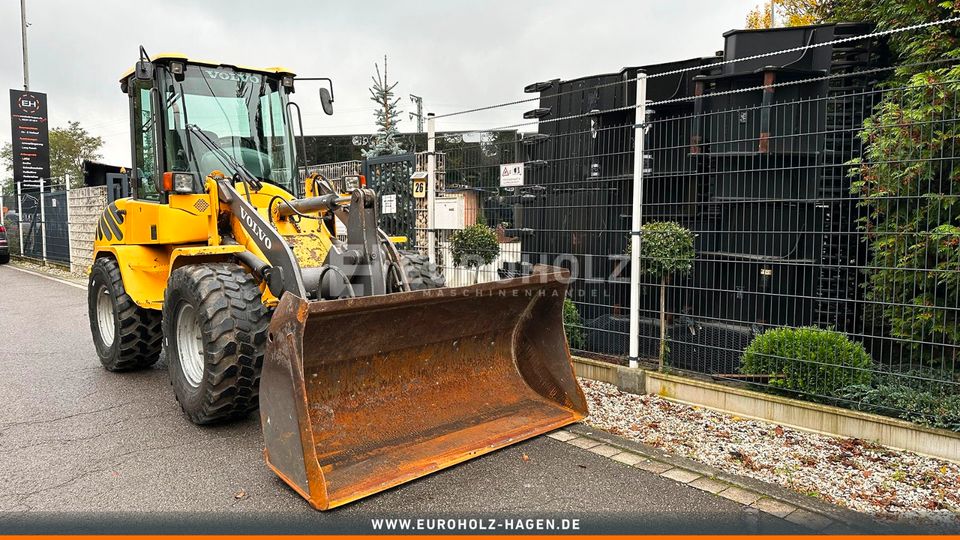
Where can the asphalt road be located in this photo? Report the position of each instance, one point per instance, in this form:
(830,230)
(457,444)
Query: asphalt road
(83,449)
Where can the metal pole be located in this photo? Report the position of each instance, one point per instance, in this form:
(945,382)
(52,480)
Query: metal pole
(43,223)
(431,185)
(20,216)
(637,215)
(66,201)
(773,13)
(418,101)
(23,31)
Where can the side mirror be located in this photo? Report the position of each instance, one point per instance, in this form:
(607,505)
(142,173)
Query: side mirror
(144,70)
(326,100)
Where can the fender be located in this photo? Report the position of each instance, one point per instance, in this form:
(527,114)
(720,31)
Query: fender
(183,256)
(144,269)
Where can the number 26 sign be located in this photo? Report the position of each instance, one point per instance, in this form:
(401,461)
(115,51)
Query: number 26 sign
(419,184)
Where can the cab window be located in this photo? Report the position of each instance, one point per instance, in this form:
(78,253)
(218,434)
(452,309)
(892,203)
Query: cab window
(144,146)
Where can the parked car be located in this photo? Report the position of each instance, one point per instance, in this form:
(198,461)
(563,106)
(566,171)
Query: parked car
(4,246)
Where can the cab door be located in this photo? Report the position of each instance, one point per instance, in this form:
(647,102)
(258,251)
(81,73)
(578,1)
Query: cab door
(142,210)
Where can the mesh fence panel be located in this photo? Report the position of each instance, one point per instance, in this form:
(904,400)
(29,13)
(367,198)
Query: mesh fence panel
(821,200)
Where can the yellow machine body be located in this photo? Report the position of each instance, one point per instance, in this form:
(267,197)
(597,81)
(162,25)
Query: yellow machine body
(357,394)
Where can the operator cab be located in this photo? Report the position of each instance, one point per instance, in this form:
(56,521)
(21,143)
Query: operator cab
(182,110)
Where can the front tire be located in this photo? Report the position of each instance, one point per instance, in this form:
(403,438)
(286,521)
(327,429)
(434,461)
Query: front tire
(215,328)
(126,336)
(420,272)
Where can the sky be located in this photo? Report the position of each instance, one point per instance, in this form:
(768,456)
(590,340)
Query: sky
(457,55)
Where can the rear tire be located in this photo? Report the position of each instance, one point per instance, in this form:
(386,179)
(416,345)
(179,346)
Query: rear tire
(126,336)
(5,258)
(421,273)
(215,334)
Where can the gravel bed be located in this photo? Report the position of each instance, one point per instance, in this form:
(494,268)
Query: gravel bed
(50,270)
(889,484)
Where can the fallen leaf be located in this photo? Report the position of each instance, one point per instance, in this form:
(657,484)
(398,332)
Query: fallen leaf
(526,457)
(240,494)
(779,431)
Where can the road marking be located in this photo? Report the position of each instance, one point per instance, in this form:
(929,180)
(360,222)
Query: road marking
(44,276)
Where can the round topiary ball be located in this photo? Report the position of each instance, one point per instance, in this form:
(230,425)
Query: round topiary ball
(809,360)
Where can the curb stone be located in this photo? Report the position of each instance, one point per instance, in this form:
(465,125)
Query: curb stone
(775,500)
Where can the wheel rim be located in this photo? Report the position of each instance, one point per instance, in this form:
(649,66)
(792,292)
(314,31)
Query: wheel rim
(190,345)
(105,318)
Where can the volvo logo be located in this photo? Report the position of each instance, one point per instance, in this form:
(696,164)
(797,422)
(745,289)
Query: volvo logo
(255,228)
(232,76)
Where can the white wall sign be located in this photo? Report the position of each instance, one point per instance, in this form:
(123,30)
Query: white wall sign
(511,174)
(388,204)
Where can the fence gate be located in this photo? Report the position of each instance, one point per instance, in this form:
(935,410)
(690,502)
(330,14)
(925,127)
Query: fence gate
(30,225)
(389,177)
(43,220)
(55,228)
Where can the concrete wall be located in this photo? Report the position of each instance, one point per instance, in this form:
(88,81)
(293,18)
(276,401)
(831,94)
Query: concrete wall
(794,413)
(85,207)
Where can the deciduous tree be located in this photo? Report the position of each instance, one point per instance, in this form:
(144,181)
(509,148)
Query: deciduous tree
(69,147)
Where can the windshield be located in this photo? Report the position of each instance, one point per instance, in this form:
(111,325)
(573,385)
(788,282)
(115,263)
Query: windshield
(242,112)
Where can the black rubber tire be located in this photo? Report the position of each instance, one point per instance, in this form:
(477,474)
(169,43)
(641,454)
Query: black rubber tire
(233,332)
(5,258)
(137,331)
(421,273)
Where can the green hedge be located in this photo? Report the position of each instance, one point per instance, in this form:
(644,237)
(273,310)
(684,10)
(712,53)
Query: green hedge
(906,402)
(808,360)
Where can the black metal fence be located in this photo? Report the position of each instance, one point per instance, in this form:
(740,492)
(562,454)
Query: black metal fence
(37,222)
(822,196)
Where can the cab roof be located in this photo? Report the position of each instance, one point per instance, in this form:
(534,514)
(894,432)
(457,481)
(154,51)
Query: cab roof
(167,57)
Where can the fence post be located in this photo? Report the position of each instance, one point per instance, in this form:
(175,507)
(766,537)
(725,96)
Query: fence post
(66,211)
(43,223)
(639,128)
(20,215)
(431,185)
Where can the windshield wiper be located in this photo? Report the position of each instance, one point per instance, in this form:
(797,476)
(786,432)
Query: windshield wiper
(240,171)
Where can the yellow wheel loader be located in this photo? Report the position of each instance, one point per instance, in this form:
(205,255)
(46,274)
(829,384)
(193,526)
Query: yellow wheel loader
(367,371)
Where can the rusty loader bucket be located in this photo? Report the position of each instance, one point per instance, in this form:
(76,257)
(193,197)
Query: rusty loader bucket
(362,394)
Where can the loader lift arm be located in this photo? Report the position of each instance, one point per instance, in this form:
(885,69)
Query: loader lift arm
(282,273)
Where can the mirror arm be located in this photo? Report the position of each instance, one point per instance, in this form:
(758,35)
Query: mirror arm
(329,82)
(303,137)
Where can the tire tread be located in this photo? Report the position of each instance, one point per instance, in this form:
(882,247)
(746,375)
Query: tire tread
(140,336)
(234,338)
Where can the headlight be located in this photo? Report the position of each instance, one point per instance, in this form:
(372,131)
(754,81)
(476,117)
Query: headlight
(179,182)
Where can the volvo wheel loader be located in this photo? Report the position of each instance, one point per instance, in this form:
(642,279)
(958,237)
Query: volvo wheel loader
(227,263)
